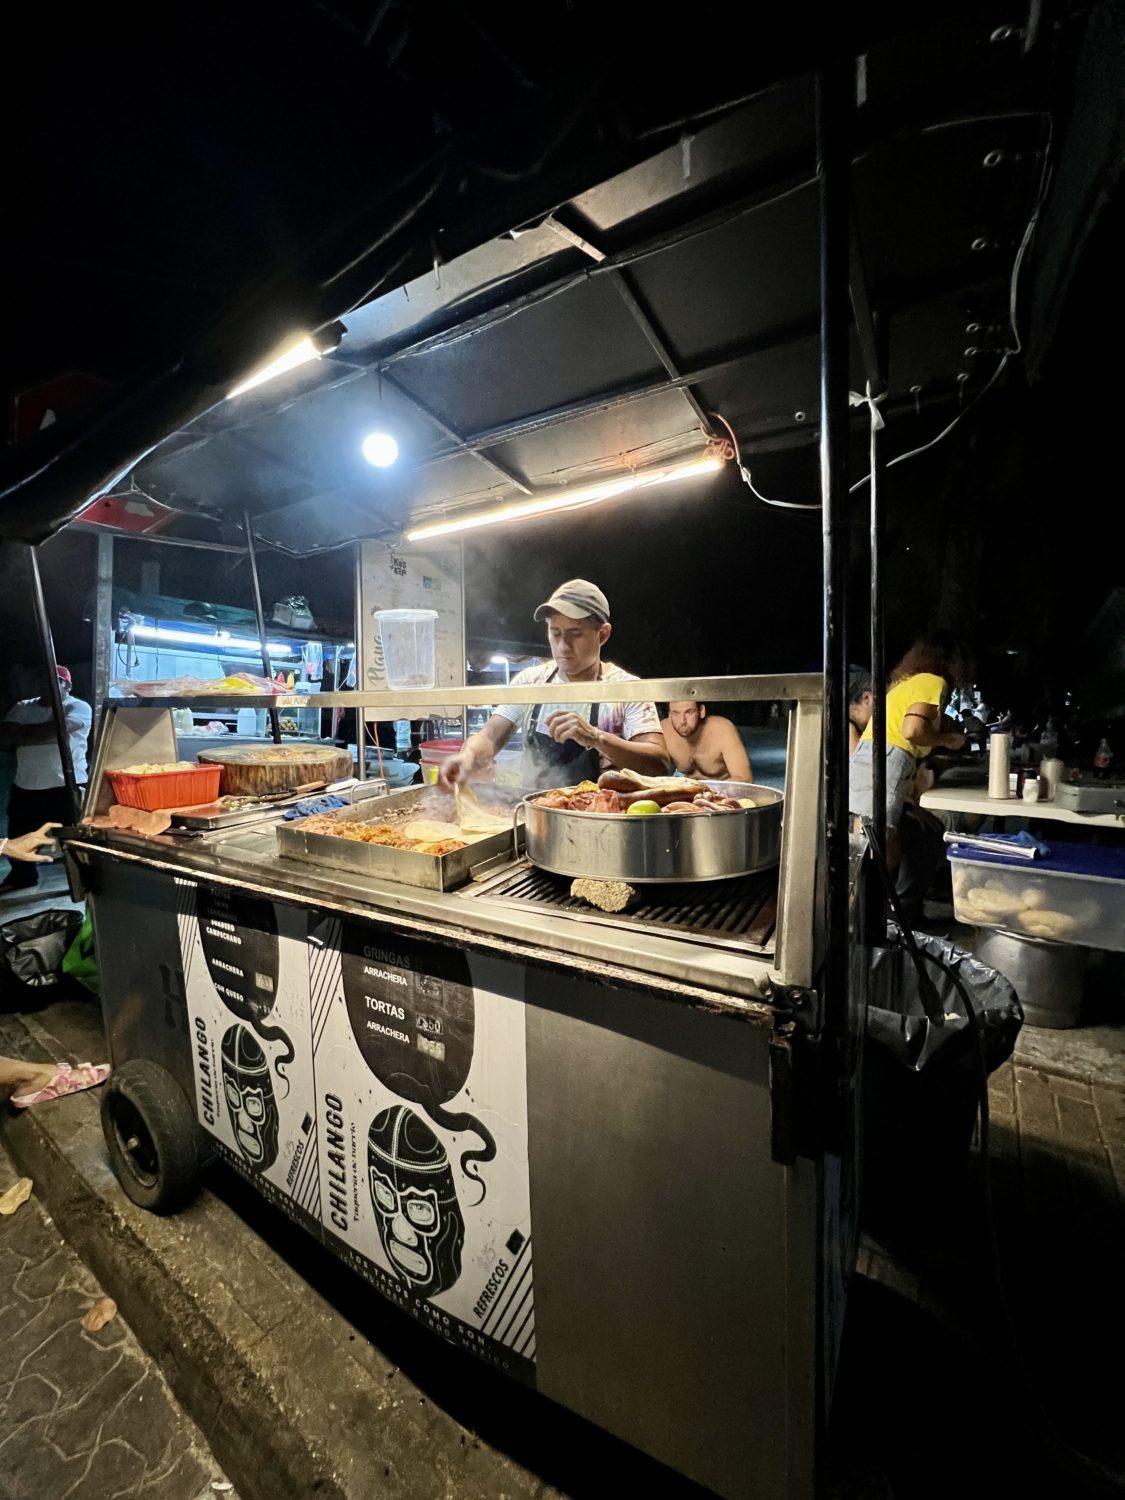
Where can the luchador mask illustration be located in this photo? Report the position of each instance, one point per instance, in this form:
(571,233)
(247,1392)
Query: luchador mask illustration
(249,1095)
(415,1201)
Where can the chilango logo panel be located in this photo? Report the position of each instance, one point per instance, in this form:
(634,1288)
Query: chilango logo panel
(246,986)
(419,1059)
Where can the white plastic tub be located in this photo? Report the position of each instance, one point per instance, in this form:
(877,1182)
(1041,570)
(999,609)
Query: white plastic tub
(1075,895)
(407,637)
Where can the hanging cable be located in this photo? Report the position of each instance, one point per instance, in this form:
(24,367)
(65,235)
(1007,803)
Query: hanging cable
(745,472)
(945,431)
(1014,346)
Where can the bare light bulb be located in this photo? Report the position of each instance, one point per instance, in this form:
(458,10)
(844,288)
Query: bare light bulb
(380,449)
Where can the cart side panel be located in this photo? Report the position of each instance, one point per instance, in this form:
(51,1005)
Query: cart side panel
(661,1233)
(143,995)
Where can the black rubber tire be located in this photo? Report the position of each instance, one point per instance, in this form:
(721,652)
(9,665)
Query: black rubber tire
(152,1136)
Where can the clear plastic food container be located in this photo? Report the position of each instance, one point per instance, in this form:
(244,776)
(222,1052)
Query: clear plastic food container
(1074,895)
(407,637)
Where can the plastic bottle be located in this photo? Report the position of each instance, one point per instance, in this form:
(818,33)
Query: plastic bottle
(1103,758)
(245,721)
(402,734)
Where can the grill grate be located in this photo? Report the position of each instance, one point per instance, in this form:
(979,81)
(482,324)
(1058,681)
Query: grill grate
(740,912)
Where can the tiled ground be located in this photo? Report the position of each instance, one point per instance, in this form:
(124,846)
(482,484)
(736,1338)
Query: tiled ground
(1044,1389)
(83,1416)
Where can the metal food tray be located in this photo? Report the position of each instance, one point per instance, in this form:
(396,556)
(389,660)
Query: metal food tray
(209,823)
(433,872)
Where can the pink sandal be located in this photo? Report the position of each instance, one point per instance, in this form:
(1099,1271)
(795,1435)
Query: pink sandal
(67,1080)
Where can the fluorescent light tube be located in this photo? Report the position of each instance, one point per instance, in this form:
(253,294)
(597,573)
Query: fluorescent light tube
(580,495)
(217,643)
(299,352)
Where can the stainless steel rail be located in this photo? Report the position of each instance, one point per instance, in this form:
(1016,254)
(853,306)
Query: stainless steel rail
(800,687)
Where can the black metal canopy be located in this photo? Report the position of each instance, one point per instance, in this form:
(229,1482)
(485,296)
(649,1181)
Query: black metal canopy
(552,319)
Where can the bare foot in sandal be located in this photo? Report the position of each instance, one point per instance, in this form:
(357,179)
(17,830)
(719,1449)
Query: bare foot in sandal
(17,1076)
(56,1080)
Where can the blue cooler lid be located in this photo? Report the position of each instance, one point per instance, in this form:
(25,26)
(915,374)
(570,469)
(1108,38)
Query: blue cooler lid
(1094,861)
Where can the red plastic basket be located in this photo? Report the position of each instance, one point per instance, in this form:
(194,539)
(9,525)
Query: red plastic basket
(160,789)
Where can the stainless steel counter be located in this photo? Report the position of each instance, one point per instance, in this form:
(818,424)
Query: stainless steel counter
(718,977)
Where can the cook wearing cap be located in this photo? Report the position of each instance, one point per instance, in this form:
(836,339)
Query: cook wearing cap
(566,743)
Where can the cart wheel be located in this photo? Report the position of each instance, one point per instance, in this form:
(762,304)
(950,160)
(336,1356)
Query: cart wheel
(152,1136)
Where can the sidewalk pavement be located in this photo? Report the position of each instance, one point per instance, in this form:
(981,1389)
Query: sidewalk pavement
(1038,1384)
(83,1415)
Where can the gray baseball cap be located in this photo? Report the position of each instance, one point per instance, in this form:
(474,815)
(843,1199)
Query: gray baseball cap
(577,599)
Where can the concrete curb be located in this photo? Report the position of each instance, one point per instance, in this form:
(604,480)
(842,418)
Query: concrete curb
(291,1404)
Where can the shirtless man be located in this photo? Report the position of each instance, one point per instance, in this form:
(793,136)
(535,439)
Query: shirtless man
(704,746)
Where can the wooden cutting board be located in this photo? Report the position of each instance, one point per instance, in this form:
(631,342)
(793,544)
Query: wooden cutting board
(257,770)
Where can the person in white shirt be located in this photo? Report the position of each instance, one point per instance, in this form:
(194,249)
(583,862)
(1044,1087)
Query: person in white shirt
(567,743)
(39,793)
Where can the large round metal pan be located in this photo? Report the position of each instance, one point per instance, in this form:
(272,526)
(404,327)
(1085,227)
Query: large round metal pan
(663,847)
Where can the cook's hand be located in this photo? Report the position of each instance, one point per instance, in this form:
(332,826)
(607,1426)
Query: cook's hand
(27,845)
(570,726)
(457,768)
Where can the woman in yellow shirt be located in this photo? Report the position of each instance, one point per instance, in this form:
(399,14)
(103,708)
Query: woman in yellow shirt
(919,690)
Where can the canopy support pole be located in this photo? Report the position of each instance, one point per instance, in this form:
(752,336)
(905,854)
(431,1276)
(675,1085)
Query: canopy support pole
(877,910)
(51,661)
(833,119)
(360,728)
(103,642)
(259,615)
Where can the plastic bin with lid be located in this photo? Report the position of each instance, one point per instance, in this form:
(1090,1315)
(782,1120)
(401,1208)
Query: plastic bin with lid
(1075,894)
(434,752)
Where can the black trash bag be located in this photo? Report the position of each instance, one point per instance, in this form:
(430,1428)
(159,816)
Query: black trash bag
(921,1082)
(32,949)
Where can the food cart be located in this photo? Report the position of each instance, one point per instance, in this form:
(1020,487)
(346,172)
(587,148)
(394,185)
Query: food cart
(580,1145)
